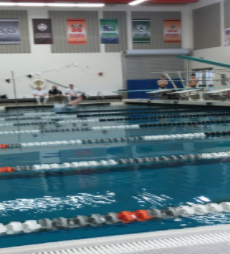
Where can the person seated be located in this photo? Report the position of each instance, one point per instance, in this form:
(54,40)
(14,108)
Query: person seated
(193,81)
(40,94)
(56,94)
(162,83)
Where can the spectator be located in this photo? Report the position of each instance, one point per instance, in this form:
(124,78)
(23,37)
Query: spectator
(56,95)
(72,93)
(40,94)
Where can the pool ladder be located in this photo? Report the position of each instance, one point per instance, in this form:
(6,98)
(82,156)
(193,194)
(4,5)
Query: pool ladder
(100,96)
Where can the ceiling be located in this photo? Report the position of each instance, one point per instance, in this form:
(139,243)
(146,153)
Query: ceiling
(112,1)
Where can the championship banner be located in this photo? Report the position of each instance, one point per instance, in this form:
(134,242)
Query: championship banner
(141,30)
(172,31)
(227,37)
(109,31)
(42,31)
(76,31)
(9,31)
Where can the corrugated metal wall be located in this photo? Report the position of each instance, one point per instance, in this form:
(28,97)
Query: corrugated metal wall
(140,67)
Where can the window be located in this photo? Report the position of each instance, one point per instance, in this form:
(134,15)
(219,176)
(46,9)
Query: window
(204,75)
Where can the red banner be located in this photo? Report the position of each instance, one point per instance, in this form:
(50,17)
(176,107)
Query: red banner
(76,31)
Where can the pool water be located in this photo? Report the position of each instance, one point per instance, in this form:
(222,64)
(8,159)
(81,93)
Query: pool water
(67,193)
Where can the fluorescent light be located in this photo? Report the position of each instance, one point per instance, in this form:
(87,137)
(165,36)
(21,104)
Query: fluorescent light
(7,4)
(136,2)
(54,4)
(30,4)
(90,5)
(60,5)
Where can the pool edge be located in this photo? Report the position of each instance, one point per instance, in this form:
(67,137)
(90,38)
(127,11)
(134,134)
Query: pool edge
(55,246)
(177,102)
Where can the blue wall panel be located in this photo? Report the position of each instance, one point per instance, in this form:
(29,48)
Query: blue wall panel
(145,84)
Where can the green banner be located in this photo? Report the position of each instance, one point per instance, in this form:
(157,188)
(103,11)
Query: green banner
(141,30)
(109,31)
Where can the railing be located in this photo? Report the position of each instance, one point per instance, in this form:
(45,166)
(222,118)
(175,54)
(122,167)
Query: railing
(100,95)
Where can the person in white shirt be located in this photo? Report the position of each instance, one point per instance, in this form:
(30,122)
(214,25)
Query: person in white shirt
(39,94)
(72,93)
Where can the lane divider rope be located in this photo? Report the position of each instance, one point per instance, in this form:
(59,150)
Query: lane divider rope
(110,163)
(145,112)
(110,140)
(58,116)
(55,117)
(47,123)
(111,218)
(152,107)
(163,117)
(116,127)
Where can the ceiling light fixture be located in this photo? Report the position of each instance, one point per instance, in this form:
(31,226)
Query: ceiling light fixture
(90,5)
(53,4)
(136,2)
(31,4)
(7,4)
(60,5)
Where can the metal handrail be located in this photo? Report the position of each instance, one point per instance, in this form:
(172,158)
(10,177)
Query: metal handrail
(98,96)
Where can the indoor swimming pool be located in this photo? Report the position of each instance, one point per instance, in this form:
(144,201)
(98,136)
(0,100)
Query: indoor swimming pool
(109,159)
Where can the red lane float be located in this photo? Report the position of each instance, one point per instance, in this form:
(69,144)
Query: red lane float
(3,146)
(126,216)
(142,215)
(6,169)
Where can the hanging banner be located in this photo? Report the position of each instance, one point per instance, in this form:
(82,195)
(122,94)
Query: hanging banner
(141,30)
(227,37)
(76,31)
(172,31)
(109,31)
(9,31)
(42,31)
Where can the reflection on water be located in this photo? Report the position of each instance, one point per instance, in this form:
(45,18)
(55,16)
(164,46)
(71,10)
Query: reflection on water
(47,203)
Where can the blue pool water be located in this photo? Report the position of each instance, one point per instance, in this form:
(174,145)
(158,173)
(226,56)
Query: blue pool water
(67,193)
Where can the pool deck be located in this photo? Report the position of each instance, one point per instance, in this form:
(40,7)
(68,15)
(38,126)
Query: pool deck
(178,102)
(201,240)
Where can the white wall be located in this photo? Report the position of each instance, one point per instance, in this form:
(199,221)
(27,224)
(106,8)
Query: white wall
(90,64)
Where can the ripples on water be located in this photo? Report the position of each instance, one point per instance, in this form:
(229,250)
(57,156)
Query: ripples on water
(56,203)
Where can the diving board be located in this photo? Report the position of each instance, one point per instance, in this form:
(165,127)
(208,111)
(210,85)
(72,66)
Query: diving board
(161,91)
(196,59)
(187,91)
